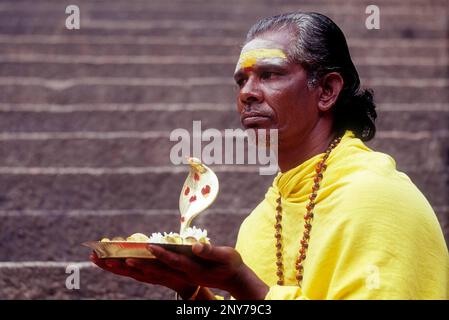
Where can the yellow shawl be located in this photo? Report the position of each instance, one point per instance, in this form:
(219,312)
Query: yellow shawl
(374,235)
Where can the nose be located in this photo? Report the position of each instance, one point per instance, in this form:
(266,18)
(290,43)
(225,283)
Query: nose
(250,93)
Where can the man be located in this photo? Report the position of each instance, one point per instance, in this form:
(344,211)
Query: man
(339,222)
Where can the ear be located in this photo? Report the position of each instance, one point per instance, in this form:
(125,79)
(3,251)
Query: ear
(331,85)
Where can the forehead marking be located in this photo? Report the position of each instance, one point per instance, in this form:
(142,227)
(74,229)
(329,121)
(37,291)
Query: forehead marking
(250,57)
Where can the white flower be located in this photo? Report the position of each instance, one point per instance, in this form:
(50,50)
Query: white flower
(196,233)
(157,237)
(190,235)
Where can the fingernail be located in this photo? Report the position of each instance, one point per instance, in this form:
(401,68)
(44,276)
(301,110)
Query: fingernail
(150,248)
(198,247)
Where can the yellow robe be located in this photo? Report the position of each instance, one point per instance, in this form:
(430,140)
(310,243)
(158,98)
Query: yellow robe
(374,235)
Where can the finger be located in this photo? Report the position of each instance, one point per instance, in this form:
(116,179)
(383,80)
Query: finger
(156,268)
(115,266)
(155,272)
(208,252)
(142,263)
(121,268)
(95,259)
(114,263)
(171,259)
(132,262)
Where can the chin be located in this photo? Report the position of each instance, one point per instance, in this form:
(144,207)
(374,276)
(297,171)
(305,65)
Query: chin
(263,137)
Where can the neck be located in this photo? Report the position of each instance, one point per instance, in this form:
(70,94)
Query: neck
(314,143)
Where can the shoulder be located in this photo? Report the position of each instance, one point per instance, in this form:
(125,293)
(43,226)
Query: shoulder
(371,178)
(373,194)
(382,203)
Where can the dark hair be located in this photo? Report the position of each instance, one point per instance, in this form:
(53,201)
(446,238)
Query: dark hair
(320,47)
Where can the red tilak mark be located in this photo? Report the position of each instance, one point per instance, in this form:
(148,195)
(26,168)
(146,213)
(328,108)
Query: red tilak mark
(196,177)
(182,219)
(192,198)
(205,190)
(186,192)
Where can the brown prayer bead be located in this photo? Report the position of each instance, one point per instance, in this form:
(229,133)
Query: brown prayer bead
(320,167)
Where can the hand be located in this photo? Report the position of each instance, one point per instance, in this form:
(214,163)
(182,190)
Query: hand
(217,267)
(148,271)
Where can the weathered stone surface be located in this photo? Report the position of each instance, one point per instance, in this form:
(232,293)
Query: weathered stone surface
(409,154)
(49,283)
(223,66)
(57,236)
(121,191)
(195,93)
(220,117)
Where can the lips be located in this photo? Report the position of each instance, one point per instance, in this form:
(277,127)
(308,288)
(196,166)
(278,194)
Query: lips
(255,120)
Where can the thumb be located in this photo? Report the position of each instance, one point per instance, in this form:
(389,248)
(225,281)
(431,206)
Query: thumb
(208,252)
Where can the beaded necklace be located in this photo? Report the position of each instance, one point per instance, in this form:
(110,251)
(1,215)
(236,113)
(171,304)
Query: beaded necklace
(308,217)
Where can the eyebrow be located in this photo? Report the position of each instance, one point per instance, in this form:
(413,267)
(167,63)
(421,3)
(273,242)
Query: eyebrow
(262,66)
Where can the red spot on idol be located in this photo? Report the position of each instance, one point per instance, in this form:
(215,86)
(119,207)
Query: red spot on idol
(205,190)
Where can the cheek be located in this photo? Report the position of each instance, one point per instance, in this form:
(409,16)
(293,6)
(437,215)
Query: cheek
(238,105)
(293,108)
(286,102)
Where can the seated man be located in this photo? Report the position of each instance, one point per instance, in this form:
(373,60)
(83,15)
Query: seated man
(338,222)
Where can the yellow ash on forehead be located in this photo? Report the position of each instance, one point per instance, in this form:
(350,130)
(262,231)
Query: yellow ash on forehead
(250,57)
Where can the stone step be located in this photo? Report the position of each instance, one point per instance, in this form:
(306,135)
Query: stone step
(410,154)
(57,236)
(434,68)
(216,10)
(391,13)
(112,44)
(42,282)
(127,49)
(403,21)
(51,4)
(348,18)
(155,190)
(93,46)
(221,116)
(199,90)
(46,279)
(50,236)
(231,47)
(72,188)
(359,30)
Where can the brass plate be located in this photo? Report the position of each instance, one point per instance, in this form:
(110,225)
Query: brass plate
(128,249)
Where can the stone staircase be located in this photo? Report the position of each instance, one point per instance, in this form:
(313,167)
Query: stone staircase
(85,118)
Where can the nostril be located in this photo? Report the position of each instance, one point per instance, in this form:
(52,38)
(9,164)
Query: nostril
(250,99)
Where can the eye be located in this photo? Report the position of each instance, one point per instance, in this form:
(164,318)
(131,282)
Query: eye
(266,75)
(240,82)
